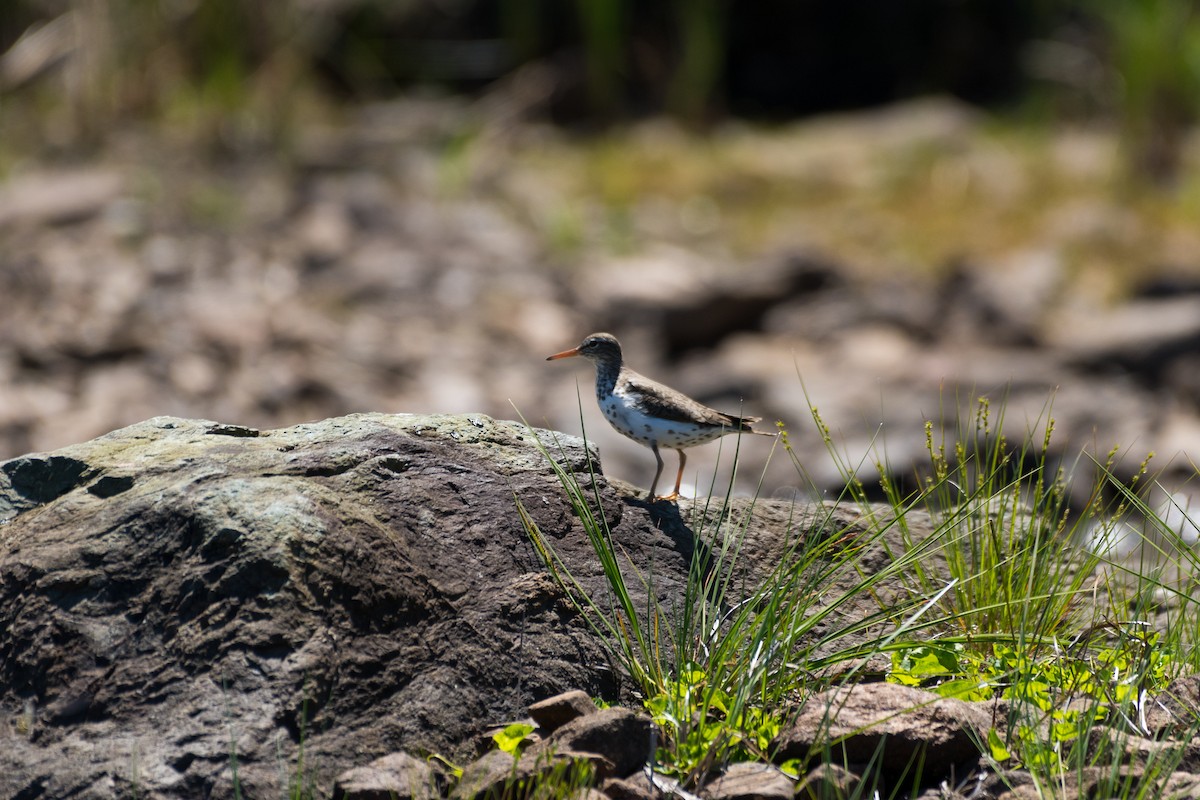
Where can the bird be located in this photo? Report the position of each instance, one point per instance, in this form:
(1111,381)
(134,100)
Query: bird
(649,412)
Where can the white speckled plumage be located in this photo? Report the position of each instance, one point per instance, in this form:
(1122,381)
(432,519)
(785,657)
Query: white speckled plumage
(649,412)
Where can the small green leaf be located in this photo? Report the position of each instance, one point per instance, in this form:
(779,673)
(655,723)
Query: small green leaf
(970,689)
(1065,731)
(454,768)
(511,738)
(996,746)
(903,678)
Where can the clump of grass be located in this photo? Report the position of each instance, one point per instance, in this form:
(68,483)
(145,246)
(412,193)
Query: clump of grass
(1006,532)
(718,671)
(1000,600)
(1025,620)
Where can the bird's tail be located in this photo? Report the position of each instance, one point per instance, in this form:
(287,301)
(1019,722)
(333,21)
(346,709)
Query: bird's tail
(742,425)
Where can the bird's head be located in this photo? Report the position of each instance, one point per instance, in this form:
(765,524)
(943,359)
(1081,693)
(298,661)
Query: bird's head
(598,348)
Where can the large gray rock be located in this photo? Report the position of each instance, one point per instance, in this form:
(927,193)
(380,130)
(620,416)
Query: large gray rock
(189,609)
(180,598)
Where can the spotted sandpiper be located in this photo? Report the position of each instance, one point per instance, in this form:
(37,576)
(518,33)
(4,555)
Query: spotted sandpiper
(650,413)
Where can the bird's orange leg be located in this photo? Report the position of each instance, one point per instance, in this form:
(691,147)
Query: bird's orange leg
(678,478)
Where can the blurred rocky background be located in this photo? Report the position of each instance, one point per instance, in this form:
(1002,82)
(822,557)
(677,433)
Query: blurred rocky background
(265,213)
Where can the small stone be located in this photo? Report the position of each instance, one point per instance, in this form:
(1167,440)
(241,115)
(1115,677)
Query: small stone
(498,774)
(750,782)
(887,723)
(828,780)
(1181,785)
(589,793)
(618,734)
(1174,709)
(57,197)
(1023,792)
(397,776)
(487,776)
(634,787)
(554,712)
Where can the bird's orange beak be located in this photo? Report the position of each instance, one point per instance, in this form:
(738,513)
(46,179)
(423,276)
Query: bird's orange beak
(574,351)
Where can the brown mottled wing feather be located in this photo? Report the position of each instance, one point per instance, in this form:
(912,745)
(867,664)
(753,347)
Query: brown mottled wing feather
(666,403)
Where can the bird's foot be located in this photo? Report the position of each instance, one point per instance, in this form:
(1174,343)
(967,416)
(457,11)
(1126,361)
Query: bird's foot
(670,498)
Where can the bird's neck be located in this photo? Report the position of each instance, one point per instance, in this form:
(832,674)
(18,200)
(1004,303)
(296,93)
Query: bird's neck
(607,373)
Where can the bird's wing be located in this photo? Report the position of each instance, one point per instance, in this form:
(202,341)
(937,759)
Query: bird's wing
(666,403)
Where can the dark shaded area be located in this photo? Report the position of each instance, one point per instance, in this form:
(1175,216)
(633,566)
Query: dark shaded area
(796,58)
(774,59)
(609,59)
(111,485)
(44,479)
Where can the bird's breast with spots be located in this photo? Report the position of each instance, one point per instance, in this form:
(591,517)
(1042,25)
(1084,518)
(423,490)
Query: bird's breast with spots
(630,420)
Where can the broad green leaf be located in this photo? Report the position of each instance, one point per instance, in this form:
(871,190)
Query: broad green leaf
(996,746)
(510,739)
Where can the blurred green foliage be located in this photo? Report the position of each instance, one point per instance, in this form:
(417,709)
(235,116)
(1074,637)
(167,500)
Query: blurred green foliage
(1155,56)
(239,74)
